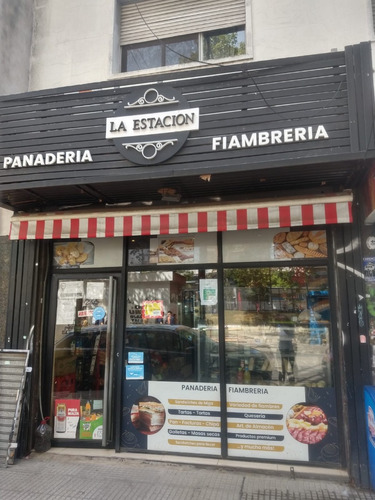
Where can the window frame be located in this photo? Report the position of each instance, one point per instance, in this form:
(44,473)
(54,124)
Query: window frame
(163,44)
(224,31)
(200,39)
(119,66)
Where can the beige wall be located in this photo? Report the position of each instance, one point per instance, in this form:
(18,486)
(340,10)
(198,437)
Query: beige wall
(76,42)
(72,42)
(288,28)
(16,24)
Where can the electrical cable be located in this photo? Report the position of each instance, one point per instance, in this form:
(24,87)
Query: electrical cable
(164,44)
(281,114)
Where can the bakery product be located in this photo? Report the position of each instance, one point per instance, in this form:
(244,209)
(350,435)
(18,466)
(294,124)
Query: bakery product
(151,415)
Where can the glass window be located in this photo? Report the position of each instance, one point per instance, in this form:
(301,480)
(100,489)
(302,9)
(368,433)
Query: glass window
(179,249)
(181,52)
(140,57)
(224,43)
(82,253)
(274,244)
(175,315)
(278,326)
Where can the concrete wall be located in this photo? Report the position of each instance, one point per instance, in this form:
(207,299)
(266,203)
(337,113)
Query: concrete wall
(16,24)
(288,28)
(76,42)
(72,43)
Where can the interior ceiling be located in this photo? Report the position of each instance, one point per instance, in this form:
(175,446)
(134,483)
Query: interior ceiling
(215,188)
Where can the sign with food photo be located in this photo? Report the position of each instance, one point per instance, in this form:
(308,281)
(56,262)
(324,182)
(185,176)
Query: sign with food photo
(300,245)
(176,251)
(307,423)
(298,423)
(148,415)
(73,254)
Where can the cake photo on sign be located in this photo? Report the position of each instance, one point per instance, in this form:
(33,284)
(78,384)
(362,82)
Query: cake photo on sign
(148,415)
(307,424)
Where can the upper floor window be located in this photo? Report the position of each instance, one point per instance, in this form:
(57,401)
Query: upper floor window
(156,34)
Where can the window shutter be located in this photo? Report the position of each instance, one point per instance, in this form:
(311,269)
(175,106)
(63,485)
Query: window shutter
(152,19)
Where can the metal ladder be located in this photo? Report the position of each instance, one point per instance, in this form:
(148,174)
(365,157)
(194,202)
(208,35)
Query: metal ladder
(13,373)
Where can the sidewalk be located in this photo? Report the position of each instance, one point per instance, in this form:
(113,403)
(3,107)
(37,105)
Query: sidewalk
(75,474)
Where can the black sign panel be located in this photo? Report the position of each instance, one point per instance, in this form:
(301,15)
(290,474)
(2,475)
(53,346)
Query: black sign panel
(150,126)
(228,120)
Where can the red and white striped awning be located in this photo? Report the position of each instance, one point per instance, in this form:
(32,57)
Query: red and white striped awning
(332,209)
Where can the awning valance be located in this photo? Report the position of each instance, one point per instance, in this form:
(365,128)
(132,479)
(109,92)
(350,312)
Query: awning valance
(331,209)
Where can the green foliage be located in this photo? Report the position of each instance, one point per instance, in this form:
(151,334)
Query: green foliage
(224,45)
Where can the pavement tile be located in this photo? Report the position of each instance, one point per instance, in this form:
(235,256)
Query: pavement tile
(63,476)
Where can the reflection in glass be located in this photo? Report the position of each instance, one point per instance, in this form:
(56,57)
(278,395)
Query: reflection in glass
(224,43)
(181,52)
(143,57)
(172,249)
(80,358)
(184,348)
(278,326)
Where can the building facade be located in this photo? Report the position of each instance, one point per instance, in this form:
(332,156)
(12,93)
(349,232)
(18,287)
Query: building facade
(192,234)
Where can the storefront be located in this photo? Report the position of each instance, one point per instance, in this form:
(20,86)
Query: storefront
(187,252)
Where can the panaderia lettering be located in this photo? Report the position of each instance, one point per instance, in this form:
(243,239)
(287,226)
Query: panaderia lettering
(194,387)
(47,159)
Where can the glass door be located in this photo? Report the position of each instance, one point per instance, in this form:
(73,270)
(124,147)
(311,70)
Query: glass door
(82,359)
(171,373)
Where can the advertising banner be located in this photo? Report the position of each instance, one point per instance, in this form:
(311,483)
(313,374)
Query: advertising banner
(152,309)
(263,422)
(172,416)
(67,413)
(292,423)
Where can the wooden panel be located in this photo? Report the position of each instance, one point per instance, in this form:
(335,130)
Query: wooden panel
(154,19)
(232,100)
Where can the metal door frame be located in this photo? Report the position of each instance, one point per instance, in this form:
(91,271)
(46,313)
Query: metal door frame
(48,349)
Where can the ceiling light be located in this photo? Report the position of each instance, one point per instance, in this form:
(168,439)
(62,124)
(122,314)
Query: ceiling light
(171,197)
(169,194)
(120,204)
(205,177)
(166,191)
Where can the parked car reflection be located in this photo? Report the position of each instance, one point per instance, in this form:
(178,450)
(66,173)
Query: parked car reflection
(173,352)
(170,353)
(179,353)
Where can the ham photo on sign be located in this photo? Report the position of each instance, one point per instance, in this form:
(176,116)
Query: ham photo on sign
(307,424)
